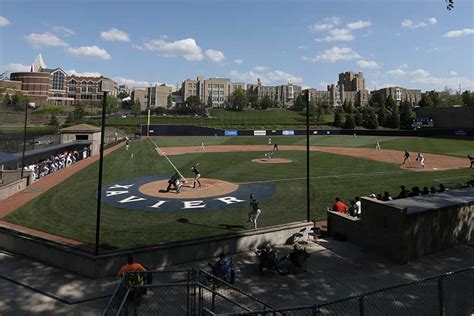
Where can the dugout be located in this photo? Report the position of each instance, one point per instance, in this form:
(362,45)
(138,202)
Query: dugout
(409,228)
(82,133)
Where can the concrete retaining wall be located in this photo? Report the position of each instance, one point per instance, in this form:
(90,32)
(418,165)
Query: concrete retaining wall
(83,262)
(12,188)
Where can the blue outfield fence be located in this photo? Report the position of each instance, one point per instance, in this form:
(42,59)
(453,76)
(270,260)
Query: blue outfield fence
(191,292)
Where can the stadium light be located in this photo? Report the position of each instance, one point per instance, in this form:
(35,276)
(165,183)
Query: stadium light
(308,199)
(28,105)
(106,86)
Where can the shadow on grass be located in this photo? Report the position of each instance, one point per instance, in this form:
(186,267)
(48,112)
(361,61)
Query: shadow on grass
(220,226)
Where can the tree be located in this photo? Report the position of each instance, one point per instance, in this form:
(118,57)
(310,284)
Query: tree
(112,104)
(382,116)
(53,120)
(359,117)
(18,101)
(136,107)
(6,102)
(193,102)
(350,122)
(169,101)
(376,100)
(371,119)
(348,107)
(122,95)
(77,115)
(338,117)
(254,101)
(467,98)
(405,114)
(238,100)
(266,102)
(394,118)
(390,103)
(300,103)
(426,101)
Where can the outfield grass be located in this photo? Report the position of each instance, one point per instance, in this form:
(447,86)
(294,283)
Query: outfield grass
(69,209)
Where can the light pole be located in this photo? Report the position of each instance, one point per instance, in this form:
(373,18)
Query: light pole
(28,104)
(308,199)
(106,86)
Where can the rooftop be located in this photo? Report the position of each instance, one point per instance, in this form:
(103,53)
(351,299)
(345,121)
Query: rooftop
(80,128)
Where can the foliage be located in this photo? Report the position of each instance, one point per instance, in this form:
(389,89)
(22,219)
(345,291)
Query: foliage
(254,101)
(394,118)
(348,107)
(77,115)
(16,102)
(122,95)
(350,122)
(376,100)
(51,109)
(300,103)
(169,101)
(390,103)
(405,114)
(112,104)
(193,102)
(53,120)
(238,100)
(136,107)
(382,116)
(467,98)
(359,117)
(370,119)
(266,103)
(338,118)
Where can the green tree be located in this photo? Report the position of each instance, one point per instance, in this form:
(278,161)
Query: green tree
(376,100)
(359,117)
(77,115)
(350,122)
(266,102)
(300,103)
(112,104)
(371,121)
(394,118)
(6,102)
(53,121)
(382,116)
(390,103)
(122,95)
(169,101)
(426,101)
(467,98)
(405,114)
(18,101)
(254,101)
(238,100)
(136,107)
(193,102)
(338,117)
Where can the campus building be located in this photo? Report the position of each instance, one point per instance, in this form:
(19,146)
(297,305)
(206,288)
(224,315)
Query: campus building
(283,95)
(399,94)
(44,85)
(351,87)
(152,97)
(213,92)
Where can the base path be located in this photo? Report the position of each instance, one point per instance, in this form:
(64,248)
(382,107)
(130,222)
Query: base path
(432,161)
(272,160)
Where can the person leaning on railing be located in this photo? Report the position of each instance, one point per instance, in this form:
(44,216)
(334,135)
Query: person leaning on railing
(133,278)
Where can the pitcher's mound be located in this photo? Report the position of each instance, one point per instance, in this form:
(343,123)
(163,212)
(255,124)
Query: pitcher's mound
(209,187)
(272,160)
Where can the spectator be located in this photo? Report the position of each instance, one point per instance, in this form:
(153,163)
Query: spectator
(415,191)
(386,196)
(298,258)
(432,190)
(130,266)
(425,191)
(403,192)
(442,188)
(339,206)
(379,197)
(223,268)
(358,207)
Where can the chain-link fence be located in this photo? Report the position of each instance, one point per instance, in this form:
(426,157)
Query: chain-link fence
(190,292)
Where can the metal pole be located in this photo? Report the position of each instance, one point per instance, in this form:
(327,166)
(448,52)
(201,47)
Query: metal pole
(99,184)
(308,198)
(24,141)
(148,124)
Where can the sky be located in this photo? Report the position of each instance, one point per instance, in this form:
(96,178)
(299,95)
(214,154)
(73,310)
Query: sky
(415,44)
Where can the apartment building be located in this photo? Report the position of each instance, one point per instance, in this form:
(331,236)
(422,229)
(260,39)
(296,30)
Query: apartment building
(283,95)
(214,92)
(399,94)
(44,85)
(152,97)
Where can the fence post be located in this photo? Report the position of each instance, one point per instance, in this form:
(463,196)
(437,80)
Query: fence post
(315,310)
(361,306)
(442,311)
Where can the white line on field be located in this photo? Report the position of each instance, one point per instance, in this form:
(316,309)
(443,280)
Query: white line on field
(442,179)
(339,176)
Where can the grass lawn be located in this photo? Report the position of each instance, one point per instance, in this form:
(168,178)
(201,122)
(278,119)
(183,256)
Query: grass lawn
(69,208)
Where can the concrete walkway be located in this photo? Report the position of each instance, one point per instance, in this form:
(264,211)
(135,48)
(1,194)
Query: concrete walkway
(335,270)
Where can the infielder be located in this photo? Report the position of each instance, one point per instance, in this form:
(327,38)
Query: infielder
(421,159)
(406,158)
(174,183)
(377,145)
(269,155)
(275,147)
(197,175)
(254,212)
(202,145)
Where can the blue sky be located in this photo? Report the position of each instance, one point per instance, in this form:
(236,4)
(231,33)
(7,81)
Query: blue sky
(414,44)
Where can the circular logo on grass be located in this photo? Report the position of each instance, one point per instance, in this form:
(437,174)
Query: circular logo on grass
(153,193)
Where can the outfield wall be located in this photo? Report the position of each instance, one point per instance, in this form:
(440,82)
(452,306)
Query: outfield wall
(195,130)
(80,259)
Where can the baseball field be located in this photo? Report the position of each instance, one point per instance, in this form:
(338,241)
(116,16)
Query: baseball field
(135,213)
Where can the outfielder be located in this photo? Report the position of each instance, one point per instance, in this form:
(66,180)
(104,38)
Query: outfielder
(421,159)
(254,212)
(197,175)
(269,141)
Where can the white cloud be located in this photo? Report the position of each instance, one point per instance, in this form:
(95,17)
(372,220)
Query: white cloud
(397,72)
(325,24)
(82,74)
(115,35)
(370,64)
(133,83)
(186,48)
(44,40)
(90,52)
(358,25)
(453,73)
(214,55)
(3,21)
(459,33)
(15,68)
(238,61)
(335,54)
(266,75)
(420,73)
(63,30)
(414,25)
(337,35)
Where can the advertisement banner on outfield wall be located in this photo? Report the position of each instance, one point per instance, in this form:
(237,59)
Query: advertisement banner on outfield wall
(288,133)
(231,133)
(260,133)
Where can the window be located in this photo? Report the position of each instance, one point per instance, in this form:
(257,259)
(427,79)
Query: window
(72,89)
(82,137)
(89,89)
(90,83)
(83,82)
(99,97)
(84,89)
(58,80)
(72,82)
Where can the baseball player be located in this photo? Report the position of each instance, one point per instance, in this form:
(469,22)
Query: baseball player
(127,143)
(406,158)
(275,147)
(202,145)
(471,159)
(269,141)
(254,212)
(377,145)
(421,160)
(269,155)
(174,183)
(197,175)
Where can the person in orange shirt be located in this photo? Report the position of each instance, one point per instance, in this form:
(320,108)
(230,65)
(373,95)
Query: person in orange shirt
(339,206)
(131,265)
